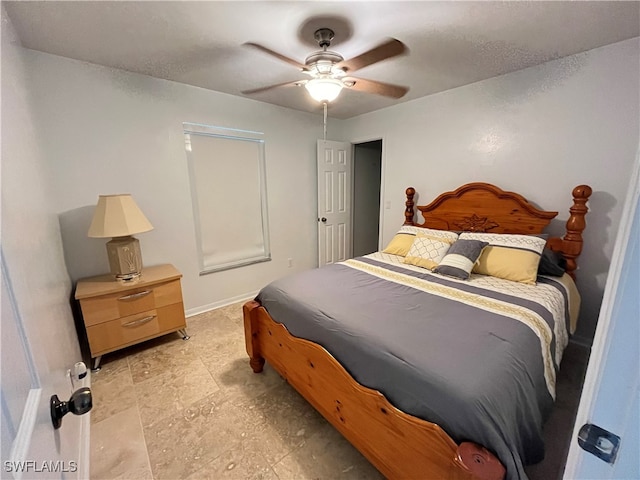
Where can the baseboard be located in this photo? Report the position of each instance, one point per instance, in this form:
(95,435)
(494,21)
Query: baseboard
(222,303)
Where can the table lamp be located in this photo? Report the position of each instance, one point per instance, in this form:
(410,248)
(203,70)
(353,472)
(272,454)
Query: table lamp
(119,217)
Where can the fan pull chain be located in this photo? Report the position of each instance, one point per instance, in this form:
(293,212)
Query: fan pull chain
(325,121)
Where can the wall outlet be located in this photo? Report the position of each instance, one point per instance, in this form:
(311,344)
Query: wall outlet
(290,262)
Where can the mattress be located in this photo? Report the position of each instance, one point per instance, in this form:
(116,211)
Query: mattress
(477,357)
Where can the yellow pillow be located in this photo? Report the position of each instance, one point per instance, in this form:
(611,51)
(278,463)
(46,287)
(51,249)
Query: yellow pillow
(509,256)
(508,263)
(400,244)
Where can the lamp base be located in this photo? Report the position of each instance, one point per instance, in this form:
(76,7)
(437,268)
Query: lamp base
(125,258)
(128,277)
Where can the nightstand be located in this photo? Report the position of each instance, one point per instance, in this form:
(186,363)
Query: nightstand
(117,314)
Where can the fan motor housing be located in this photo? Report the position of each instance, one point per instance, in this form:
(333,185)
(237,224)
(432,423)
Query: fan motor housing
(323,56)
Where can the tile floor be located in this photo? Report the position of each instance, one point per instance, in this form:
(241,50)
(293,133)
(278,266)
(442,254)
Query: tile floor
(170,409)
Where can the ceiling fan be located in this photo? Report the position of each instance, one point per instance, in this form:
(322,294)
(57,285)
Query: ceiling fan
(330,72)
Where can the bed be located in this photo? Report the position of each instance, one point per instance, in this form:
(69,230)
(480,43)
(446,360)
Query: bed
(432,375)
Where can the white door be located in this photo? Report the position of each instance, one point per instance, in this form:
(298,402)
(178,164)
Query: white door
(611,393)
(31,448)
(334,202)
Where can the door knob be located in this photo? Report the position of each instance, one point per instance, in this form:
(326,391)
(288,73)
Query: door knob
(79,404)
(323,220)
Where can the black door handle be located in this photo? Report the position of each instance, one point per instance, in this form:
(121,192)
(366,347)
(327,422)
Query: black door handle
(323,220)
(79,404)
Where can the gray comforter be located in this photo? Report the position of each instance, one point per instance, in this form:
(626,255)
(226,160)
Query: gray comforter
(478,374)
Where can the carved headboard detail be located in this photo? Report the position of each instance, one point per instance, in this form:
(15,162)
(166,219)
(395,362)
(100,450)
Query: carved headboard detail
(482,207)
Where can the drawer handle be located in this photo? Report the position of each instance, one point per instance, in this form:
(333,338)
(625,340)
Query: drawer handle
(135,295)
(140,321)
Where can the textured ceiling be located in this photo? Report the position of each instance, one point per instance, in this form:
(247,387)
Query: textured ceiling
(200,43)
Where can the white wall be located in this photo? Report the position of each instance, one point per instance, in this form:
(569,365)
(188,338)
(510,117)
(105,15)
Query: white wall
(32,247)
(30,232)
(109,131)
(539,131)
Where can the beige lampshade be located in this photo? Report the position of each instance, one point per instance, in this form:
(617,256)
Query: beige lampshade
(117,216)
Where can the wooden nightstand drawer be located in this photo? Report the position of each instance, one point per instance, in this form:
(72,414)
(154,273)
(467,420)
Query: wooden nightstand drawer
(117,314)
(123,304)
(115,334)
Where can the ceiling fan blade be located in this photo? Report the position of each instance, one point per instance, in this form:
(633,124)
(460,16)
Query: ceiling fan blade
(279,56)
(390,48)
(379,88)
(264,89)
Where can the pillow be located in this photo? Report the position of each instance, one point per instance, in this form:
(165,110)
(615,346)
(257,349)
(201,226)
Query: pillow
(401,243)
(427,251)
(552,263)
(460,258)
(512,257)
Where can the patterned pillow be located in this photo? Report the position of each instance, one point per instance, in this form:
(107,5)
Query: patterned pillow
(427,251)
(401,243)
(512,257)
(459,260)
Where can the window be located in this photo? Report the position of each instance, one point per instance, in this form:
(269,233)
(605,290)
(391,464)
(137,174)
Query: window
(229,197)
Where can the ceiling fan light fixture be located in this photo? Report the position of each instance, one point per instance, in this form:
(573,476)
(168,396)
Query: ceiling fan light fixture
(324,89)
(329,72)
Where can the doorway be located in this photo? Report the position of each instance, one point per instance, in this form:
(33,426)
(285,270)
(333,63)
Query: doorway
(367,175)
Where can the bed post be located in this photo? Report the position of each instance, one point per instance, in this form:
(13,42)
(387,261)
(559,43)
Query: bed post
(408,212)
(250,314)
(572,241)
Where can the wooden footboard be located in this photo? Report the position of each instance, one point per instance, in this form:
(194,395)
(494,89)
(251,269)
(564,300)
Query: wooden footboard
(397,444)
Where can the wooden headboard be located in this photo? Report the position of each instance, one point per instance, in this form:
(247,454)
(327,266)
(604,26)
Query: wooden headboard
(482,207)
